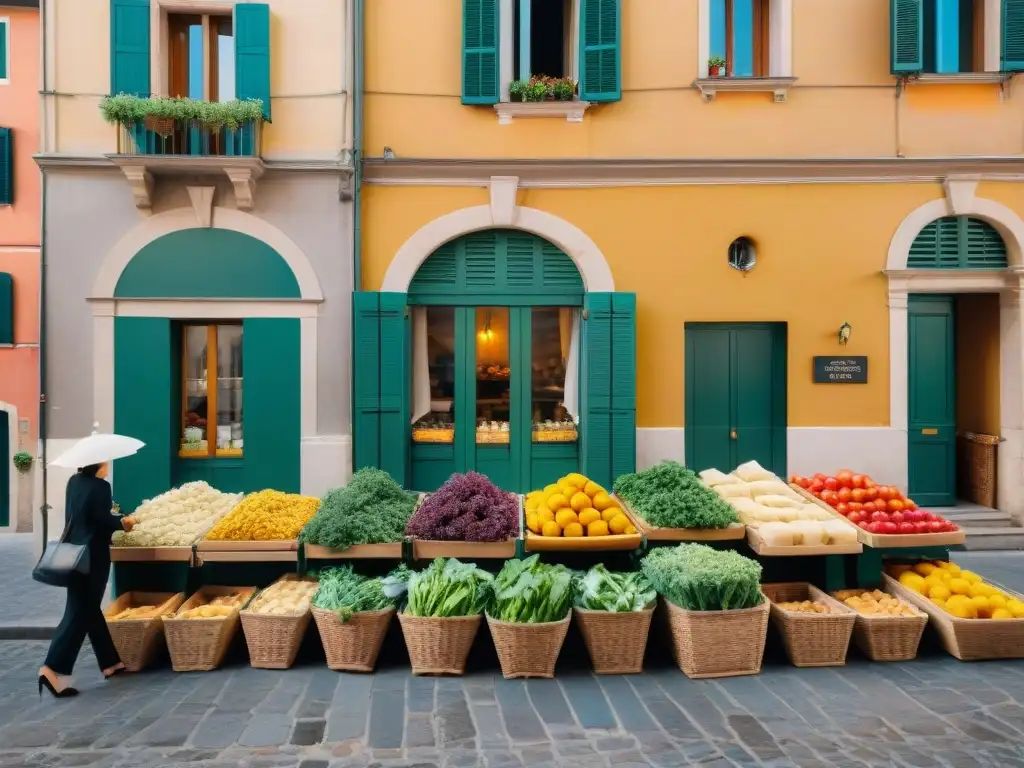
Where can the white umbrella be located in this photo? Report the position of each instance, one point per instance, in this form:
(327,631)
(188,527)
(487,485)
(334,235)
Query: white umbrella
(97,449)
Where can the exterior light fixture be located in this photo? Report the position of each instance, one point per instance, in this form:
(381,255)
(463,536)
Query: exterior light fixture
(389,153)
(844,333)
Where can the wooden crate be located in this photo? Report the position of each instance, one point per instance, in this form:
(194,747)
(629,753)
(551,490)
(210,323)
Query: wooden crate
(389,551)
(734,532)
(285,551)
(616,542)
(756,543)
(151,554)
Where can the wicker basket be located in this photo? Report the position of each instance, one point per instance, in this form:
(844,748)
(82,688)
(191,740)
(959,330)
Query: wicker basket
(274,640)
(968,639)
(199,645)
(352,646)
(889,638)
(976,467)
(719,643)
(616,641)
(138,641)
(528,650)
(439,646)
(811,639)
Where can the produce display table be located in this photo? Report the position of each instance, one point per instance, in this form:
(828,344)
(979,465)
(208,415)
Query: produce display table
(867,569)
(757,544)
(465,550)
(246,552)
(151,555)
(734,532)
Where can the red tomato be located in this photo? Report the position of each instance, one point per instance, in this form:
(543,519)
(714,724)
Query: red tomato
(887,492)
(879,517)
(865,525)
(906,527)
(896,505)
(896,517)
(831,483)
(872,492)
(816,487)
(874,527)
(845,478)
(855,517)
(890,528)
(858,481)
(803,482)
(859,494)
(856,506)
(819,477)
(936,526)
(845,494)
(911,516)
(921,526)
(909,504)
(830,497)
(929,517)
(869,507)
(842,507)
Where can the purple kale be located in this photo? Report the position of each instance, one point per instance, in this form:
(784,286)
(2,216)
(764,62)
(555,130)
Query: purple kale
(467,507)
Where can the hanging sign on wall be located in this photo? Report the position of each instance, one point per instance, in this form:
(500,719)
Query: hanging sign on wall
(840,370)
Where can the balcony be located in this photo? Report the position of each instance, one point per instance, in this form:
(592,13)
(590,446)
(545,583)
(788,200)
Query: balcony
(159,138)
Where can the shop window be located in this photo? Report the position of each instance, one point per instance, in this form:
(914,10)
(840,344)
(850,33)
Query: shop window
(211,391)
(555,376)
(433,375)
(741,36)
(742,254)
(201,57)
(493,375)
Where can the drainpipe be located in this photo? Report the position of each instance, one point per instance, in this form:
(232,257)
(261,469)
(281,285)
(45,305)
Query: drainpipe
(357,200)
(44,508)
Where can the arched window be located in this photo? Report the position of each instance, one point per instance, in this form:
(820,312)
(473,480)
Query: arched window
(958,242)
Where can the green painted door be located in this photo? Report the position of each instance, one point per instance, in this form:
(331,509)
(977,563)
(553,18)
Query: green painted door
(735,395)
(5,475)
(931,406)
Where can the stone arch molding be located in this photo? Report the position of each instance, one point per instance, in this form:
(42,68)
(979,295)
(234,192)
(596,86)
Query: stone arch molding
(502,212)
(960,200)
(158,225)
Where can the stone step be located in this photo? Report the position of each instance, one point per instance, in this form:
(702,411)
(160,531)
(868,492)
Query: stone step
(986,519)
(988,539)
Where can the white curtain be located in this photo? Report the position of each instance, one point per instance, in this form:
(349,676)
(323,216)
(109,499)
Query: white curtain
(570,338)
(420,365)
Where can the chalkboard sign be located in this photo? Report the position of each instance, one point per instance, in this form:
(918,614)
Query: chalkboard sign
(840,370)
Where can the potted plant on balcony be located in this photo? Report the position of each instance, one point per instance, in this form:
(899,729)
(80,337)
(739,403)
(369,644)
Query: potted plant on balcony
(538,89)
(563,89)
(517,90)
(716,66)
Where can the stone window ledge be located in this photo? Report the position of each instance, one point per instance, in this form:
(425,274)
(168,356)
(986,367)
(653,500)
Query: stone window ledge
(1002,79)
(141,170)
(709,87)
(572,111)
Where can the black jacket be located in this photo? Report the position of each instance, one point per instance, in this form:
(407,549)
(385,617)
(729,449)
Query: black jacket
(88,506)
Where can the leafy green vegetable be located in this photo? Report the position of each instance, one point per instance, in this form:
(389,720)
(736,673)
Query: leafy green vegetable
(601,590)
(668,495)
(448,588)
(371,509)
(346,592)
(698,578)
(531,592)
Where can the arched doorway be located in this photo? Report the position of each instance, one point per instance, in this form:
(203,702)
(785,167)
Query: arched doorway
(496,359)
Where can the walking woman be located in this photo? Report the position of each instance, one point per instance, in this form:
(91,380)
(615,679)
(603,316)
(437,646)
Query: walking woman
(90,523)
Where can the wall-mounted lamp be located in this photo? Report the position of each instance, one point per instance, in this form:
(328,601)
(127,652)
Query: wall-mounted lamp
(389,153)
(844,333)
(486,334)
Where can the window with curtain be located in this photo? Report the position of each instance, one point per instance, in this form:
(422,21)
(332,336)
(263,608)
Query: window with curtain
(741,36)
(555,366)
(211,391)
(201,57)
(433,379)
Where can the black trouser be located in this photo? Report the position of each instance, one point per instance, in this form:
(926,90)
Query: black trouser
(83,616)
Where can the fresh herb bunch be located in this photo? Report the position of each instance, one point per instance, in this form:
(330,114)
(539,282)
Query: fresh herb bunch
(602,590)
(531,592)
(345,592)
(371,509)
(127,110)
(668,495)
(698,578)
(467,507)
(448,588)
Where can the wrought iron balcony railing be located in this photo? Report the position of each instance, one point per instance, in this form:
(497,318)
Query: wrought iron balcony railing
(188,138)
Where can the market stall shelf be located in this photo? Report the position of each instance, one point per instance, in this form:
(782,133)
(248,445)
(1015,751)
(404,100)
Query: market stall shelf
(151,554)
(891,541)
(428,549)
(389,551)
(734,532)
(246,552)
(757,544)
(968,639)
(138,633)
(615,542)
(815,635)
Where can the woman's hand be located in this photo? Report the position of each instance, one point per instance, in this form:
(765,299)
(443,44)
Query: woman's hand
(128,523)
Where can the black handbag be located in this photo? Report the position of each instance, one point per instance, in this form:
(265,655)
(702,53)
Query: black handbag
(61,561)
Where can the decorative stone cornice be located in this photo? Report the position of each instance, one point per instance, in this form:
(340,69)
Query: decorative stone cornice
(571,111)
(618,172)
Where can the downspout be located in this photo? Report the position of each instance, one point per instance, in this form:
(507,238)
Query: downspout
(44,509)
(357,203)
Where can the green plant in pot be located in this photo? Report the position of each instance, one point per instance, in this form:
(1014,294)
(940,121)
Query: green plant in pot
(716,66)
(538,89)
(563,89)
(22,461)
(517,90)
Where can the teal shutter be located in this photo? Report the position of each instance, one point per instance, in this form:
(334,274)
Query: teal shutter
(600,50)
(144,407)
(480,52)
(381,397)
(129,47)
(4,32)
(906,36)
(272,397)
(252,53)
(623,421)
(958,242)
(1013,36)
(6,309)
(6,166)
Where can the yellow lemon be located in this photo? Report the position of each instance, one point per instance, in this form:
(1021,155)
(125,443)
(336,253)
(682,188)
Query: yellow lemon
(588,516)
(945,575)
(565,516)
(545,515)
(538,494)
(951,567)
(971,576)
(960,586)
(556,501)
(618,523)
(961,607)
(608,514)
(1016,607)
(602,501)
(592,489)
(1001,613)
(981,606)
(925,569)
(573,530)
(532,504)
(939,602)
(939,592)
(911,580)
(551,528)
(996,601)
(533,523)
(597,528)
(630,529)
(982,590)
(577,479)
(579,501)
(931,582)
(550,490)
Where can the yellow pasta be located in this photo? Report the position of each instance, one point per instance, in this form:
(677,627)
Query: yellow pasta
(266,516)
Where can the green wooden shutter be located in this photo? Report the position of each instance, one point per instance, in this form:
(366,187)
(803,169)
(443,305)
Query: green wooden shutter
(906,36)
(366,384)
(1013,36)
(6,166)
(596,389)
(601,50)
(623,421)
(983,246)
(252,53)
(480,52)
(272,413)
(6,309)
(144,407)
(958,242)
(129,47)
(4,32)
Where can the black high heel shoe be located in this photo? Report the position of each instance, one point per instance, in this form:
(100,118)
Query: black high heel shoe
(67,693)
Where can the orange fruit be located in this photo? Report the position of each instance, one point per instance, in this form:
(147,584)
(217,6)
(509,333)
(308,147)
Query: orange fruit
(551,528)
(619,523)
(556,501)
(602,501)
(610,513)
(573,530)
(564,517)
(592,489)
(579,501)
(597,528)
(588,516)
(544,515)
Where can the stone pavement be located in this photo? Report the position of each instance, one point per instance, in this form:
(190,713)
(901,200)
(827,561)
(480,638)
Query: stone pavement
(931,712)
(28,610)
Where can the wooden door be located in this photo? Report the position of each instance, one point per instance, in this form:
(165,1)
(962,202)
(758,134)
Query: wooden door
(931,406)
